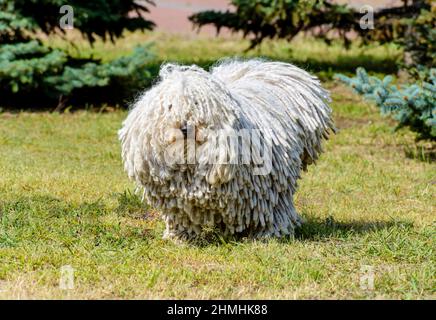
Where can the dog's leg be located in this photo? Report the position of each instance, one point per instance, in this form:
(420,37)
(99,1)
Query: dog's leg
(285,220)
(179,228)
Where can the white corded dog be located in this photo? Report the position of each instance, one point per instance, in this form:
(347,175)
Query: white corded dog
(224,148)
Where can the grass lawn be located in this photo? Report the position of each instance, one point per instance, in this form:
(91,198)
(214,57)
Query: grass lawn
(65,200)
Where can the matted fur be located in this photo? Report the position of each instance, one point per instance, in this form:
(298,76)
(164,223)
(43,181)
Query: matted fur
(286,103)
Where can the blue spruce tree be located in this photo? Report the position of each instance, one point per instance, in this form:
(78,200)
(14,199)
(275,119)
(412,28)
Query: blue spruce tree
(31,71)
(413,106)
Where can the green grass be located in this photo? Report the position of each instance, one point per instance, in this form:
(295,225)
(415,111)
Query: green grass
(65,200)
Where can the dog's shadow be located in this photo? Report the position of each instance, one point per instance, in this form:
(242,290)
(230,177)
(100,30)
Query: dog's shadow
(313,229)
(22,213)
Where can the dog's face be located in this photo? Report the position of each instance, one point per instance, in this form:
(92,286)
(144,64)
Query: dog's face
(176,125)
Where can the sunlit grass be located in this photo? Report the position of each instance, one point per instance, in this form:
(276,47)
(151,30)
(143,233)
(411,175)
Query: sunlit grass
(65,200)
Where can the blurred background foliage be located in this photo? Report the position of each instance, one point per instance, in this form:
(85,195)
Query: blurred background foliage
(411,24)
(31,70)
(412,105)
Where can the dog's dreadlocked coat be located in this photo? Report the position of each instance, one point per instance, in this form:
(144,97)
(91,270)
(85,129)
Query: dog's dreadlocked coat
(286,107)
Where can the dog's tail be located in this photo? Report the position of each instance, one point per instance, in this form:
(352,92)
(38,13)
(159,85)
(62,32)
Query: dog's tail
(281,91)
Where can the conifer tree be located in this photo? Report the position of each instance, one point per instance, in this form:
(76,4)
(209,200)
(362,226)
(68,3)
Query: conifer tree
(30,69)
(413,106)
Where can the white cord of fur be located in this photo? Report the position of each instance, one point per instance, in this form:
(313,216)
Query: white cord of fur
(284,102)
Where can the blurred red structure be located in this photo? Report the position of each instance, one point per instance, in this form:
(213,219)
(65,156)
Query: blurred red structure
(172,15)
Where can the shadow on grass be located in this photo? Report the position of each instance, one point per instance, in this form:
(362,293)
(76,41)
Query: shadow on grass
(312,230)
(324,69)
(46,220)
(345,64)
(316,229)
(130,204)
(49,219)
(420,152)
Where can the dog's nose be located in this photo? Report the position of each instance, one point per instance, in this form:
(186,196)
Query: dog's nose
(184,129)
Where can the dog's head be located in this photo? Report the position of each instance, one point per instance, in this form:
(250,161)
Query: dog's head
(182,122)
